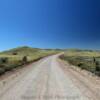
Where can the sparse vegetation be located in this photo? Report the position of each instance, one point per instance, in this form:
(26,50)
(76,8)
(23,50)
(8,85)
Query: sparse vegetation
(21,56)
(85,59)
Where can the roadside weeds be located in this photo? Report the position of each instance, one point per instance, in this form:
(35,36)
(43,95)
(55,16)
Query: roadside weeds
(88,83)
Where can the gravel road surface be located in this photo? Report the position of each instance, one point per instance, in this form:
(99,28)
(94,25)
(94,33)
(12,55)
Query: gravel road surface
(43,80)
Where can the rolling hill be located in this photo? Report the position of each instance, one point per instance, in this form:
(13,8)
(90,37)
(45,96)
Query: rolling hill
(16,57)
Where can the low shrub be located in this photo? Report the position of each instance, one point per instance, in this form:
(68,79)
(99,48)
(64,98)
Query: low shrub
(24,60)
(2,71)
(9,67)
(3,60)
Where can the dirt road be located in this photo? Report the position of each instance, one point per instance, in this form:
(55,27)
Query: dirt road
(44,80)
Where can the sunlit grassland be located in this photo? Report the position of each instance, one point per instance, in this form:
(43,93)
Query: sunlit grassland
(31,53)
(14,58)
(85,59)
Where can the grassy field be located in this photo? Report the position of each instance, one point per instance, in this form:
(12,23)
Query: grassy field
(18,57)
(85,59)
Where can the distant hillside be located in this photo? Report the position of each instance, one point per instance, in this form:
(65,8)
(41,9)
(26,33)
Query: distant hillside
(21,56)
(80,50)
(16,54)
(21,51)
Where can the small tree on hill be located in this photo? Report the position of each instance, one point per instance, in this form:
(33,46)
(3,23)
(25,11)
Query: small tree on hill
(15,53)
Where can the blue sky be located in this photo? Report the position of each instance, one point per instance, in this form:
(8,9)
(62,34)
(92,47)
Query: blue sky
(50,23)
